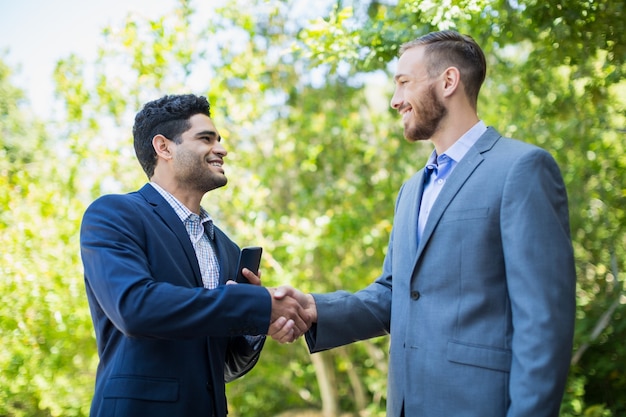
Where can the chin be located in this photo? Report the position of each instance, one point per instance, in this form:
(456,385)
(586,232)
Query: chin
(217,182)
(412,137)
(221,182)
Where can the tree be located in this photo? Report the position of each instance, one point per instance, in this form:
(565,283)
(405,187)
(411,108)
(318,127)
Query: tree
(556,79)
(315,161)
(44,323)
(311,194)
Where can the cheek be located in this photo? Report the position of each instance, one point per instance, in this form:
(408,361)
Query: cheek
(416,94)
(186,158)
(408,96)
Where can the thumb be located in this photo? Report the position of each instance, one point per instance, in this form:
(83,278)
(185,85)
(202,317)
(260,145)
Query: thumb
(281,292)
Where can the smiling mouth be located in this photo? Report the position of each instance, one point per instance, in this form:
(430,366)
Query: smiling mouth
(405,113)
(217,164)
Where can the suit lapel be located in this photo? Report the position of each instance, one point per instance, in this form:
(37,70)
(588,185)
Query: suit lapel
(464,169)
(220,244)
(172,221)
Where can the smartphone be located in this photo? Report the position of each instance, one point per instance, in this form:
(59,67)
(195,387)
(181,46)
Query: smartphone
(250,257)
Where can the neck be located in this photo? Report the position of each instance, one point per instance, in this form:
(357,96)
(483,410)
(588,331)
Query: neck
(188,197)
(452,130)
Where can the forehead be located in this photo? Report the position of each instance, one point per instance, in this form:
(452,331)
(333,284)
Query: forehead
(412,62)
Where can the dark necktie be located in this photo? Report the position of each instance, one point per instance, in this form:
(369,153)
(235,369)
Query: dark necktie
(209,229)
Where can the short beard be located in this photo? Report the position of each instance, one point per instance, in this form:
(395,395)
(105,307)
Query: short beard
(209,184)
(432,111)
(194,174)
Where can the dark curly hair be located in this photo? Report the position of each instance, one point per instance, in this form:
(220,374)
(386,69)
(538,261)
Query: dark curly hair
(168,116)
(449,48)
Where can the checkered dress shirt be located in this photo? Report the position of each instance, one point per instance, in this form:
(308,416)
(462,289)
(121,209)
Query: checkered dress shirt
(200,238)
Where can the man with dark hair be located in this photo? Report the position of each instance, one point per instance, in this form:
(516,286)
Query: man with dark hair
(169,331)
(478,284)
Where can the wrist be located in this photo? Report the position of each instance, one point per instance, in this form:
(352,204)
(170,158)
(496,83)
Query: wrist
(312,307)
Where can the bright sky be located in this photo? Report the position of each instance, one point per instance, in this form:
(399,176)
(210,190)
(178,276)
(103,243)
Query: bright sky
(35,34)
(39,32)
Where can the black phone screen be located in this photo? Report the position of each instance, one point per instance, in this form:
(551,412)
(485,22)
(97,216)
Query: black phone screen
(250,257)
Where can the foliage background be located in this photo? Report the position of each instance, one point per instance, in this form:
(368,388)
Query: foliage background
(315,160)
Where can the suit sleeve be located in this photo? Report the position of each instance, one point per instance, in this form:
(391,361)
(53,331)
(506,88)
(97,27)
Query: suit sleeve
(344,317)
(139,283)
(541,283)
(242,355)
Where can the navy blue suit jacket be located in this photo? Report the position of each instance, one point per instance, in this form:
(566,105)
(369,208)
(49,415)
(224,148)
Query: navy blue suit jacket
(166,344)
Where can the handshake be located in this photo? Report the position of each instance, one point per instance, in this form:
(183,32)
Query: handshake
(293,313)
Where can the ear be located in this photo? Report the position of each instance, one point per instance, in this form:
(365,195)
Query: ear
(451,81)
(162,146)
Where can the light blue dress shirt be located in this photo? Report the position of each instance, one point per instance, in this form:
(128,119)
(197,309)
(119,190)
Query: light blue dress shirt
(438,169)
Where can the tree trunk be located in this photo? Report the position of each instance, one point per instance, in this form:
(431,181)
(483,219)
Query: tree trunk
(325,373)
(358,390)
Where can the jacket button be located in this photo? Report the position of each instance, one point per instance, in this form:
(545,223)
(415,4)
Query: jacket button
(209,387)
(415,295)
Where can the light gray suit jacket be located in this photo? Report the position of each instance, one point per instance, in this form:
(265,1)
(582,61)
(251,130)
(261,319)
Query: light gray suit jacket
(481,312)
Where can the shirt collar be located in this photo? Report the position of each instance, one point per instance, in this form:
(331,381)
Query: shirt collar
(181,210)
(457,151)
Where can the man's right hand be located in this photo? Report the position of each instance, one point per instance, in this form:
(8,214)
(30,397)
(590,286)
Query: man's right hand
(285,329)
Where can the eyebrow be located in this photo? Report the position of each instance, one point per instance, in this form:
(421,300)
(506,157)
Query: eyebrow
(207,133)
(398,76)
(211,133)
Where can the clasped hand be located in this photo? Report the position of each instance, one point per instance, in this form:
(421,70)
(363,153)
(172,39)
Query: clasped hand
(293,312)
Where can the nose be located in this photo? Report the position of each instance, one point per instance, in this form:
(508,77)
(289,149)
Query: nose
(396,101)
(219,150)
